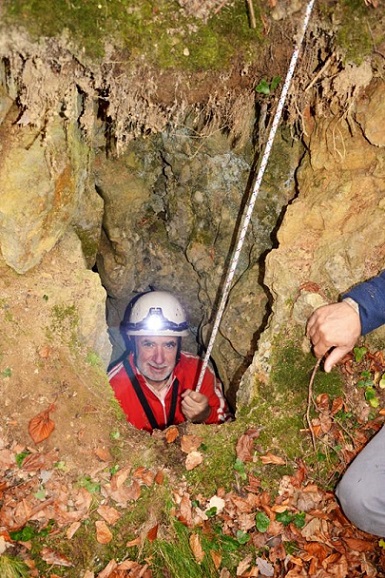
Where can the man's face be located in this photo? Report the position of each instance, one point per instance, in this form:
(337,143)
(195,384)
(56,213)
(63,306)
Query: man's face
(156,357)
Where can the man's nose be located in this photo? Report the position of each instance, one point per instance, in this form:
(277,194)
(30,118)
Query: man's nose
(158,356)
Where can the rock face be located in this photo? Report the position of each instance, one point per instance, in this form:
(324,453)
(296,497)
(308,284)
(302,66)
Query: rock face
(331,237)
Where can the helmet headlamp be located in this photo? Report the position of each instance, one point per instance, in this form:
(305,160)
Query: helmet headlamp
(157,313)
(155,322)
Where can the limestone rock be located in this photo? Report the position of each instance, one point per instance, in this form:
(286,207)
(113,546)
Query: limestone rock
(371,114)
(43,183)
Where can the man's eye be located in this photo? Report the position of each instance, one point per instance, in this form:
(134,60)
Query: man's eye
(170,345)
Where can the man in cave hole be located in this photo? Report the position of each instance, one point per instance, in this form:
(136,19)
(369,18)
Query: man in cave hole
(155,381)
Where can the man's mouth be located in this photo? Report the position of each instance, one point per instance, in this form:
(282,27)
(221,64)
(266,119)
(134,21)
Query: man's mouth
(157,368)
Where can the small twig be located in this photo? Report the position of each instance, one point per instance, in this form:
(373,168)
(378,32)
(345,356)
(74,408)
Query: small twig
(218,8)
(309,401)
(320,72)
(253,22)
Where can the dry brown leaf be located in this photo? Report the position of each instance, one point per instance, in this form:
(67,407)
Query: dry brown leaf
(120,477)
(110,514)
(144,475)
(123,494)
(135,542)
(54,558)
(103,533)
(41,426)
(244,565)
(216,558)
(103,454)
(359,545)
(193,460)
(245,448)
(72,529)
(270,458)
(7,458)
(33,462)
(185,510)
(159,477)
(337,405)
(107,571)
(171,434)
(83,500)
(45,351)
(196,547)
(190,443)
(317,550)
(129,565)
(152,533)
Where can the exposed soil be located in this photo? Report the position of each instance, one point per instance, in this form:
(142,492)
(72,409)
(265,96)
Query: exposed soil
(44,363)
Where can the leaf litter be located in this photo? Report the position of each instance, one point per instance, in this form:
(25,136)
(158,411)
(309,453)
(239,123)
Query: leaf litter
(297,531)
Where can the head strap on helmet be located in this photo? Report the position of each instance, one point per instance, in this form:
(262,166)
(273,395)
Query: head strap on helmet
(156,322)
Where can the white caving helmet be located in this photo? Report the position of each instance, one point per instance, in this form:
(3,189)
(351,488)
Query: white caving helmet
(157,313)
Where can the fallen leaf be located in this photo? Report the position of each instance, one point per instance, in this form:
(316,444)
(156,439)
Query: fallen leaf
(193,460)
(41,426)
(152,533)
(196,547)
(190,443)
(159,477)
(135,542)
(270,458)
(107,571)
(265,568)
(3,545)
(103,533)
(245,448)
(54,558)
(185,510)
(103,454)
(72,529)
(120,477)
(110,514)
(171,434)
(216,558)
(337,405)
(244,565)
(359,545)
(144,475)
(45,351)
(218,503)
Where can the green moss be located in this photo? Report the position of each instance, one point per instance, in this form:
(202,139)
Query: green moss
(358,26)
(280,410)
(218,450)
(158,31)
(64,324)
(90,244)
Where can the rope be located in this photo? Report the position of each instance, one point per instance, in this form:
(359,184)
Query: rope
(256,187)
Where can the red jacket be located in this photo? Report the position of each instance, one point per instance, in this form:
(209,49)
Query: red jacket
(186,372)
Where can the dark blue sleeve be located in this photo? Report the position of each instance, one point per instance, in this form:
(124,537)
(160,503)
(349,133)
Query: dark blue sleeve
(370,297)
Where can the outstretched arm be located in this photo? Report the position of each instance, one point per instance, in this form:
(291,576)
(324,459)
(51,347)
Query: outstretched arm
(334,327)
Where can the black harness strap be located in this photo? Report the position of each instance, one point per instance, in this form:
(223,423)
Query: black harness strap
(144,403)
